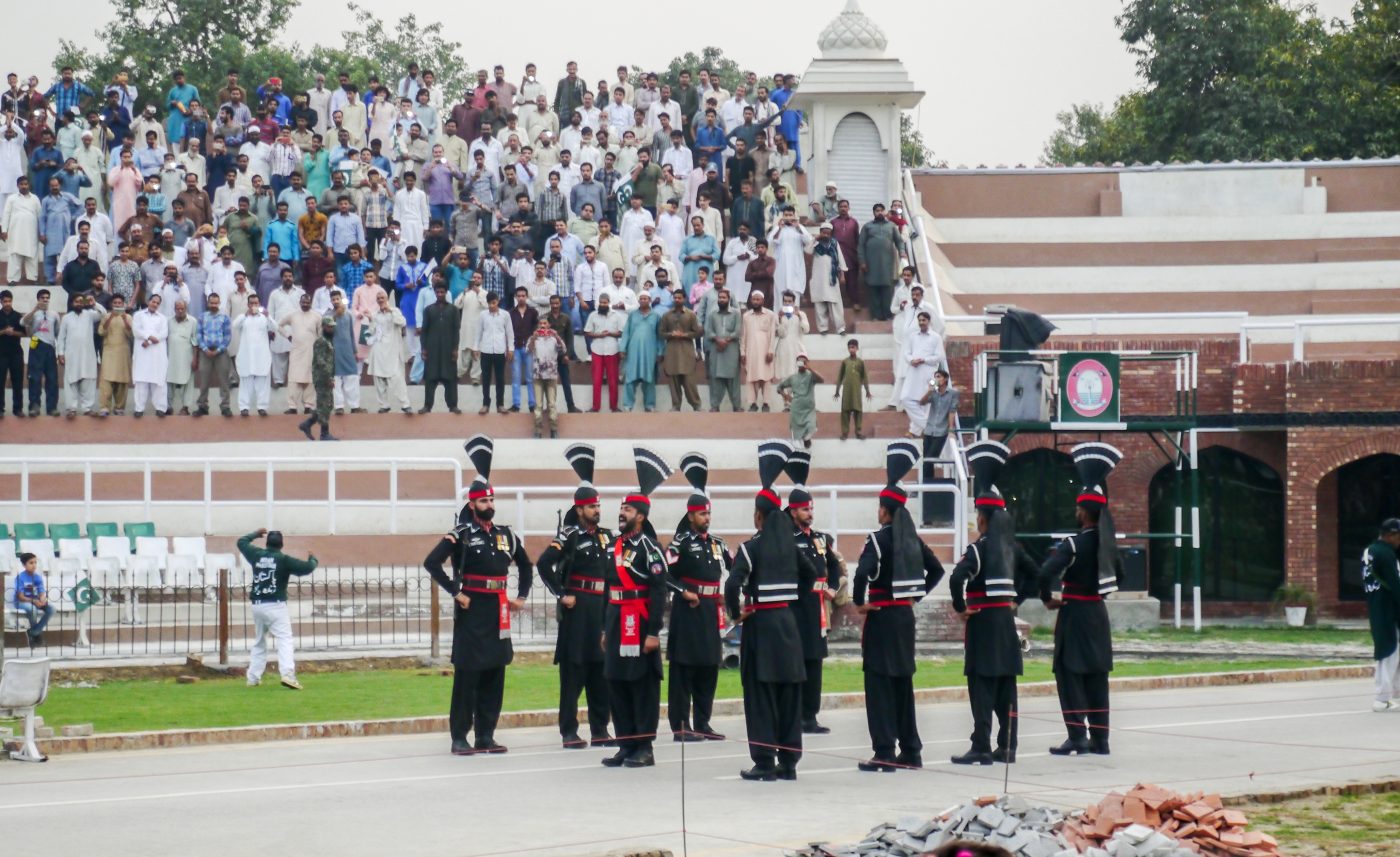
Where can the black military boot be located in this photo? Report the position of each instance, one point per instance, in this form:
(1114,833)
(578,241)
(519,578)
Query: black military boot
(973,757)
(760,773)
(1003,755)
(1071,747)
(326,433)
(881,764)
(305,426)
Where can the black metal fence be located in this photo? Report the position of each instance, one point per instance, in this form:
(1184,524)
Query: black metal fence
(378,607)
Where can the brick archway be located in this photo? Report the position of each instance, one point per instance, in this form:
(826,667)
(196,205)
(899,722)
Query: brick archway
(1314,456)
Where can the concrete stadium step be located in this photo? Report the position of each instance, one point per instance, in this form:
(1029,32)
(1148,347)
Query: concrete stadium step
(359,551)
(395,426)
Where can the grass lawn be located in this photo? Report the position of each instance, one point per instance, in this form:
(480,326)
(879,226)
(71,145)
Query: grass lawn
(1280,634)
(1345,826)
(125,706)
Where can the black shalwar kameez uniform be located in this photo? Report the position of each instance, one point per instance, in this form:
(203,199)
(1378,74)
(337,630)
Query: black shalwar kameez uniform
(635,576)
(887,644)
(695,563)
(820,550)
(481,554)
(770,654)
(576,563)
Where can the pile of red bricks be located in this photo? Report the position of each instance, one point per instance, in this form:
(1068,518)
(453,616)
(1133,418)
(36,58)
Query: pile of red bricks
(1198,822)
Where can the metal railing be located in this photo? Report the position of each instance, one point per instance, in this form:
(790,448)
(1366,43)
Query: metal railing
(1096,319)
(928,274)
(30,507)
(1301,326)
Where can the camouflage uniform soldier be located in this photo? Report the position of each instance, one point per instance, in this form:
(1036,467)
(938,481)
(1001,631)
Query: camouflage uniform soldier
(323,379)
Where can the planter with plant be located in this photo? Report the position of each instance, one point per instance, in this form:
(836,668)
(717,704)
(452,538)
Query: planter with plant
(1297,602)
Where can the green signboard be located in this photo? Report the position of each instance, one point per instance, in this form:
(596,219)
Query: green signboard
(1089,391)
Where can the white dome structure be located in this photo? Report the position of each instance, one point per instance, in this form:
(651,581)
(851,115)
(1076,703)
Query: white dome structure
(852,96)
(852,34)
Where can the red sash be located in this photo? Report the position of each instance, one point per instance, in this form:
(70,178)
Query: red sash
(707,589)
(492,586)
(633,608)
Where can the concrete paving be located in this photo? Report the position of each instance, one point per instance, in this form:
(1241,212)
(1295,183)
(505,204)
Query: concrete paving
(407,796)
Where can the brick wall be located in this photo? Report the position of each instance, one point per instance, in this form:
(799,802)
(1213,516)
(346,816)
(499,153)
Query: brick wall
(1306,457)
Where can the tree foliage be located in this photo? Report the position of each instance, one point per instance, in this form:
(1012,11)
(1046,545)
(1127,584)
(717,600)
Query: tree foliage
(731,74)
(1246,80)
(913,151)
(152,38)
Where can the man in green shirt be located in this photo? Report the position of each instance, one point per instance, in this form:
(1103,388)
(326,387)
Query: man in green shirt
(268,592)
(1380,577)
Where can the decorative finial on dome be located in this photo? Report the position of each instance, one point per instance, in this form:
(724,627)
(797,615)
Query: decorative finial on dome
(852,34)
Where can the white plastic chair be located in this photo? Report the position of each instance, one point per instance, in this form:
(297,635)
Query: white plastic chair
(217,562)
(79,549)
(42,549)
(189,546)
(9,557)
(142,572)
(24,685)
(105,574)
(11,612)
(182,571)
(114,547)
(157,547)
(195,548)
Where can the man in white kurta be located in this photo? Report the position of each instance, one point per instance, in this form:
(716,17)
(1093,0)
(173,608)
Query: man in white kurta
(180,346)
(828,266)
(302,327)
(284,300)
(387,354)
(254,361)
(77,355)
(923,355)
(789,241)
(472,303)
(150,361)
(19,229)
(411,211)
(738,252)
(900,325)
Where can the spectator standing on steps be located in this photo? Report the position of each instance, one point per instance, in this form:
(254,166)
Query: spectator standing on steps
(268,592)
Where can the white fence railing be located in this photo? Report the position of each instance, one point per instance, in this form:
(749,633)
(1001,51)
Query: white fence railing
(1300,328)
(835,515)
(290,467)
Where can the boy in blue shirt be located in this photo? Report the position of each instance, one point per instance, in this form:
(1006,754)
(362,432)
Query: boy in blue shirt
(32,599)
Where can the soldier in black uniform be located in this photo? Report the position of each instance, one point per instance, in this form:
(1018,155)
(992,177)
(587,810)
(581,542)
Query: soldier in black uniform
(812,620)
(636,604)
(768,574)
(899,570)
(696,563)
(481,553)
(985,594)
(1089,565)
(574,568)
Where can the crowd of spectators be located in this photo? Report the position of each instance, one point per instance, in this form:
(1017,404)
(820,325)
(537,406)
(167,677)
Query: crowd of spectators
(647,231)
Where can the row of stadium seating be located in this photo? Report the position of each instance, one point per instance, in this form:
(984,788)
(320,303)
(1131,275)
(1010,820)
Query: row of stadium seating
(95,530)
(111,563)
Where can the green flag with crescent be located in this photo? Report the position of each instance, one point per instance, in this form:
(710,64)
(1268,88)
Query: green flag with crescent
(83,595)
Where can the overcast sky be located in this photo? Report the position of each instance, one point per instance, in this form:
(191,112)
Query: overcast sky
(995,71)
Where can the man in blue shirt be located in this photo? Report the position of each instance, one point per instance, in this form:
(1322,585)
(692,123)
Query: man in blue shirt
(67,92)
(32,599)
(44,161)
(151,157)
(283,233)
